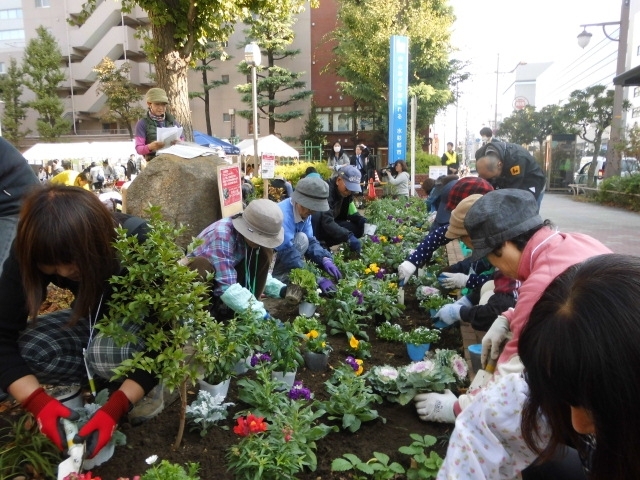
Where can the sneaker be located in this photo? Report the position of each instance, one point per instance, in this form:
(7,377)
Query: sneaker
(152,404)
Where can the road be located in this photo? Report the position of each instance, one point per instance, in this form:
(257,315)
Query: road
(617,228)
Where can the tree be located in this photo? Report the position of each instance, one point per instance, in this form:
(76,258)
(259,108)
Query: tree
(279,87)
(213,54)
(591,111)
(122,95)
(520,127)
(313,131)
(180,30)
(41,65)
(14,109)
(361,54)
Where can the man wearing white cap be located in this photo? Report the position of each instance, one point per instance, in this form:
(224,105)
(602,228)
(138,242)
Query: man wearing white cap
(240,249)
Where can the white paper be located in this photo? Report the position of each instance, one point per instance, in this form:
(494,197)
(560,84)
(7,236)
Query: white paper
(189,150)
(169,135)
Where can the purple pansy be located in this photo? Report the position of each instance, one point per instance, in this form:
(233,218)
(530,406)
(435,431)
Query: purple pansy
(380,273)
(358,295)
(352,363)
(260,358)
(299,392)
(374,238)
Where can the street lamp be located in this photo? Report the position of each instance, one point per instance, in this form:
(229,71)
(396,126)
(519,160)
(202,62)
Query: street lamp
(232,117)
(613,152)
(253,58)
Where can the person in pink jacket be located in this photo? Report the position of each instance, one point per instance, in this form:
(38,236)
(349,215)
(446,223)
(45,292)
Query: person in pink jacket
(504,226)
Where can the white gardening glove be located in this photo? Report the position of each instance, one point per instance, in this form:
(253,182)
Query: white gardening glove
(405,270)
(453,280)
(436,407)
(449,313)
(492,340)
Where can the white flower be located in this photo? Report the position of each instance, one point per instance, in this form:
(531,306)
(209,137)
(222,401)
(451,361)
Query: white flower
(418,367)
(152,459)
(387,373)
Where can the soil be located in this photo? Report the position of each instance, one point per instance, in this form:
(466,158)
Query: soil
(156,436)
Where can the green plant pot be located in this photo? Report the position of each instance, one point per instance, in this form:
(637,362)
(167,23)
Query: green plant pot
(316,362)
(417,352)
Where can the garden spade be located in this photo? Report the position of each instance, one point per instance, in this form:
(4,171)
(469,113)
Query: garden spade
(73,464)
(483,375)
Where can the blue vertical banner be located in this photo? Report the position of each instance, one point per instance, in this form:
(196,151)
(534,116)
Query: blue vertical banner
(398,97)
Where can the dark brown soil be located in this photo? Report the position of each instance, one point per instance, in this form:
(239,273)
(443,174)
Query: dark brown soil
(157,436)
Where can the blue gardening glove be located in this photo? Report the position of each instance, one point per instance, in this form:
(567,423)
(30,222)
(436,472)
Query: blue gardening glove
(449,314)
(326,285)
(354,243)
(238,299)
(331,268)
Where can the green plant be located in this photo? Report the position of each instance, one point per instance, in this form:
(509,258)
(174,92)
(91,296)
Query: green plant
(87,411)
(350,398)
(435,302)
(206,411)
(282,342)
(424,465)
(26,451)
(377,468)
(358,348)
(391,332)
(421,335)
(345,316)
(381,297)
(261,393)
(306,280)
(170,471)
(316,342)
(165,304)
(228,343)
(444,369)
(281,449)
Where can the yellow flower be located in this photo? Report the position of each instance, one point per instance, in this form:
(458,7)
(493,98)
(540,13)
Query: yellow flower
(393,286)
(383,239)
(361,369)
(324,344)
(354,342)
(400,237)
(367,271)
(312,334)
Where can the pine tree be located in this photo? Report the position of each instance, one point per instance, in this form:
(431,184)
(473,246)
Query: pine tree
(41,65)
(213,54)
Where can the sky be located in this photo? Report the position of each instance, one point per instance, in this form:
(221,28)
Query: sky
(522,31)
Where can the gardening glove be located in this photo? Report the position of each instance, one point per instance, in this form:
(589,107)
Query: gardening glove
(326,285)
(48,412)
(239,299)
(449,314)
(405,270)
(453,280)
(436,407)
(98,430)
(331,268)
(464,301)
(492,340)
(354,243)
(273,287)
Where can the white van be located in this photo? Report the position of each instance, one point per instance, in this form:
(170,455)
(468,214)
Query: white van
(628,166)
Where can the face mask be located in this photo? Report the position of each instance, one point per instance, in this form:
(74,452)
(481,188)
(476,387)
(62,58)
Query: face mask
(336,149)
(484,139)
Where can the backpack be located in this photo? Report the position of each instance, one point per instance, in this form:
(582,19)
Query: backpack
(100,177)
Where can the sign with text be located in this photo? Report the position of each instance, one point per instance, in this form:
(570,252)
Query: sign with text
(398,97)
(268,169)
(230,188)
(436,171)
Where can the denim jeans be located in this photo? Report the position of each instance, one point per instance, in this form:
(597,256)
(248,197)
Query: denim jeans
(290,258)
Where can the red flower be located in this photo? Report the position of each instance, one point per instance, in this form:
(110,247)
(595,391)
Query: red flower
(250,424)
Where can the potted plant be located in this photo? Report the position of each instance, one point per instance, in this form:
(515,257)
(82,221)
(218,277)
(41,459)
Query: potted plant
(281,341)
(419,340)
(306,281)
(434,303)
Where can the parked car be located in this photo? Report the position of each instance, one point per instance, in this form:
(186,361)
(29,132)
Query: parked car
(628,166)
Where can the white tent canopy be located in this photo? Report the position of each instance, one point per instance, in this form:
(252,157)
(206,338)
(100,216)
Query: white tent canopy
(40,153)
(269,144)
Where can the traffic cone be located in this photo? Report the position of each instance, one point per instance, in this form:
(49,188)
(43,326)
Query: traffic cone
(371,192)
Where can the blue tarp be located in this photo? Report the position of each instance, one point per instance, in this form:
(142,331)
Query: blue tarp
(209,141)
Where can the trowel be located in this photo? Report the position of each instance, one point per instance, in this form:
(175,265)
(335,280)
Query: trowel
(73,464)
(483,375)
(401,292)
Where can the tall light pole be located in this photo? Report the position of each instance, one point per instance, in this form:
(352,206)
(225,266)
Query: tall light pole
(253,58)
(617,125)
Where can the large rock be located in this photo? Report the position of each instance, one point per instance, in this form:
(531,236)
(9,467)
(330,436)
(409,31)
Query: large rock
(185,189)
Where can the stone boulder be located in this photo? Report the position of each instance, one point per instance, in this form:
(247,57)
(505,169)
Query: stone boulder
(186,189)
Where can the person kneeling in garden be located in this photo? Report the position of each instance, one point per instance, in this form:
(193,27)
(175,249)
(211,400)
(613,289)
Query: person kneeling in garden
(310,196)
(240,249)
(66,237)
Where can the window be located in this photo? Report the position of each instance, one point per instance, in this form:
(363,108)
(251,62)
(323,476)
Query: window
(11,14)
(43,3)
(12,35)
(226,117)
(635,113)
(636,92)
(225,78)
